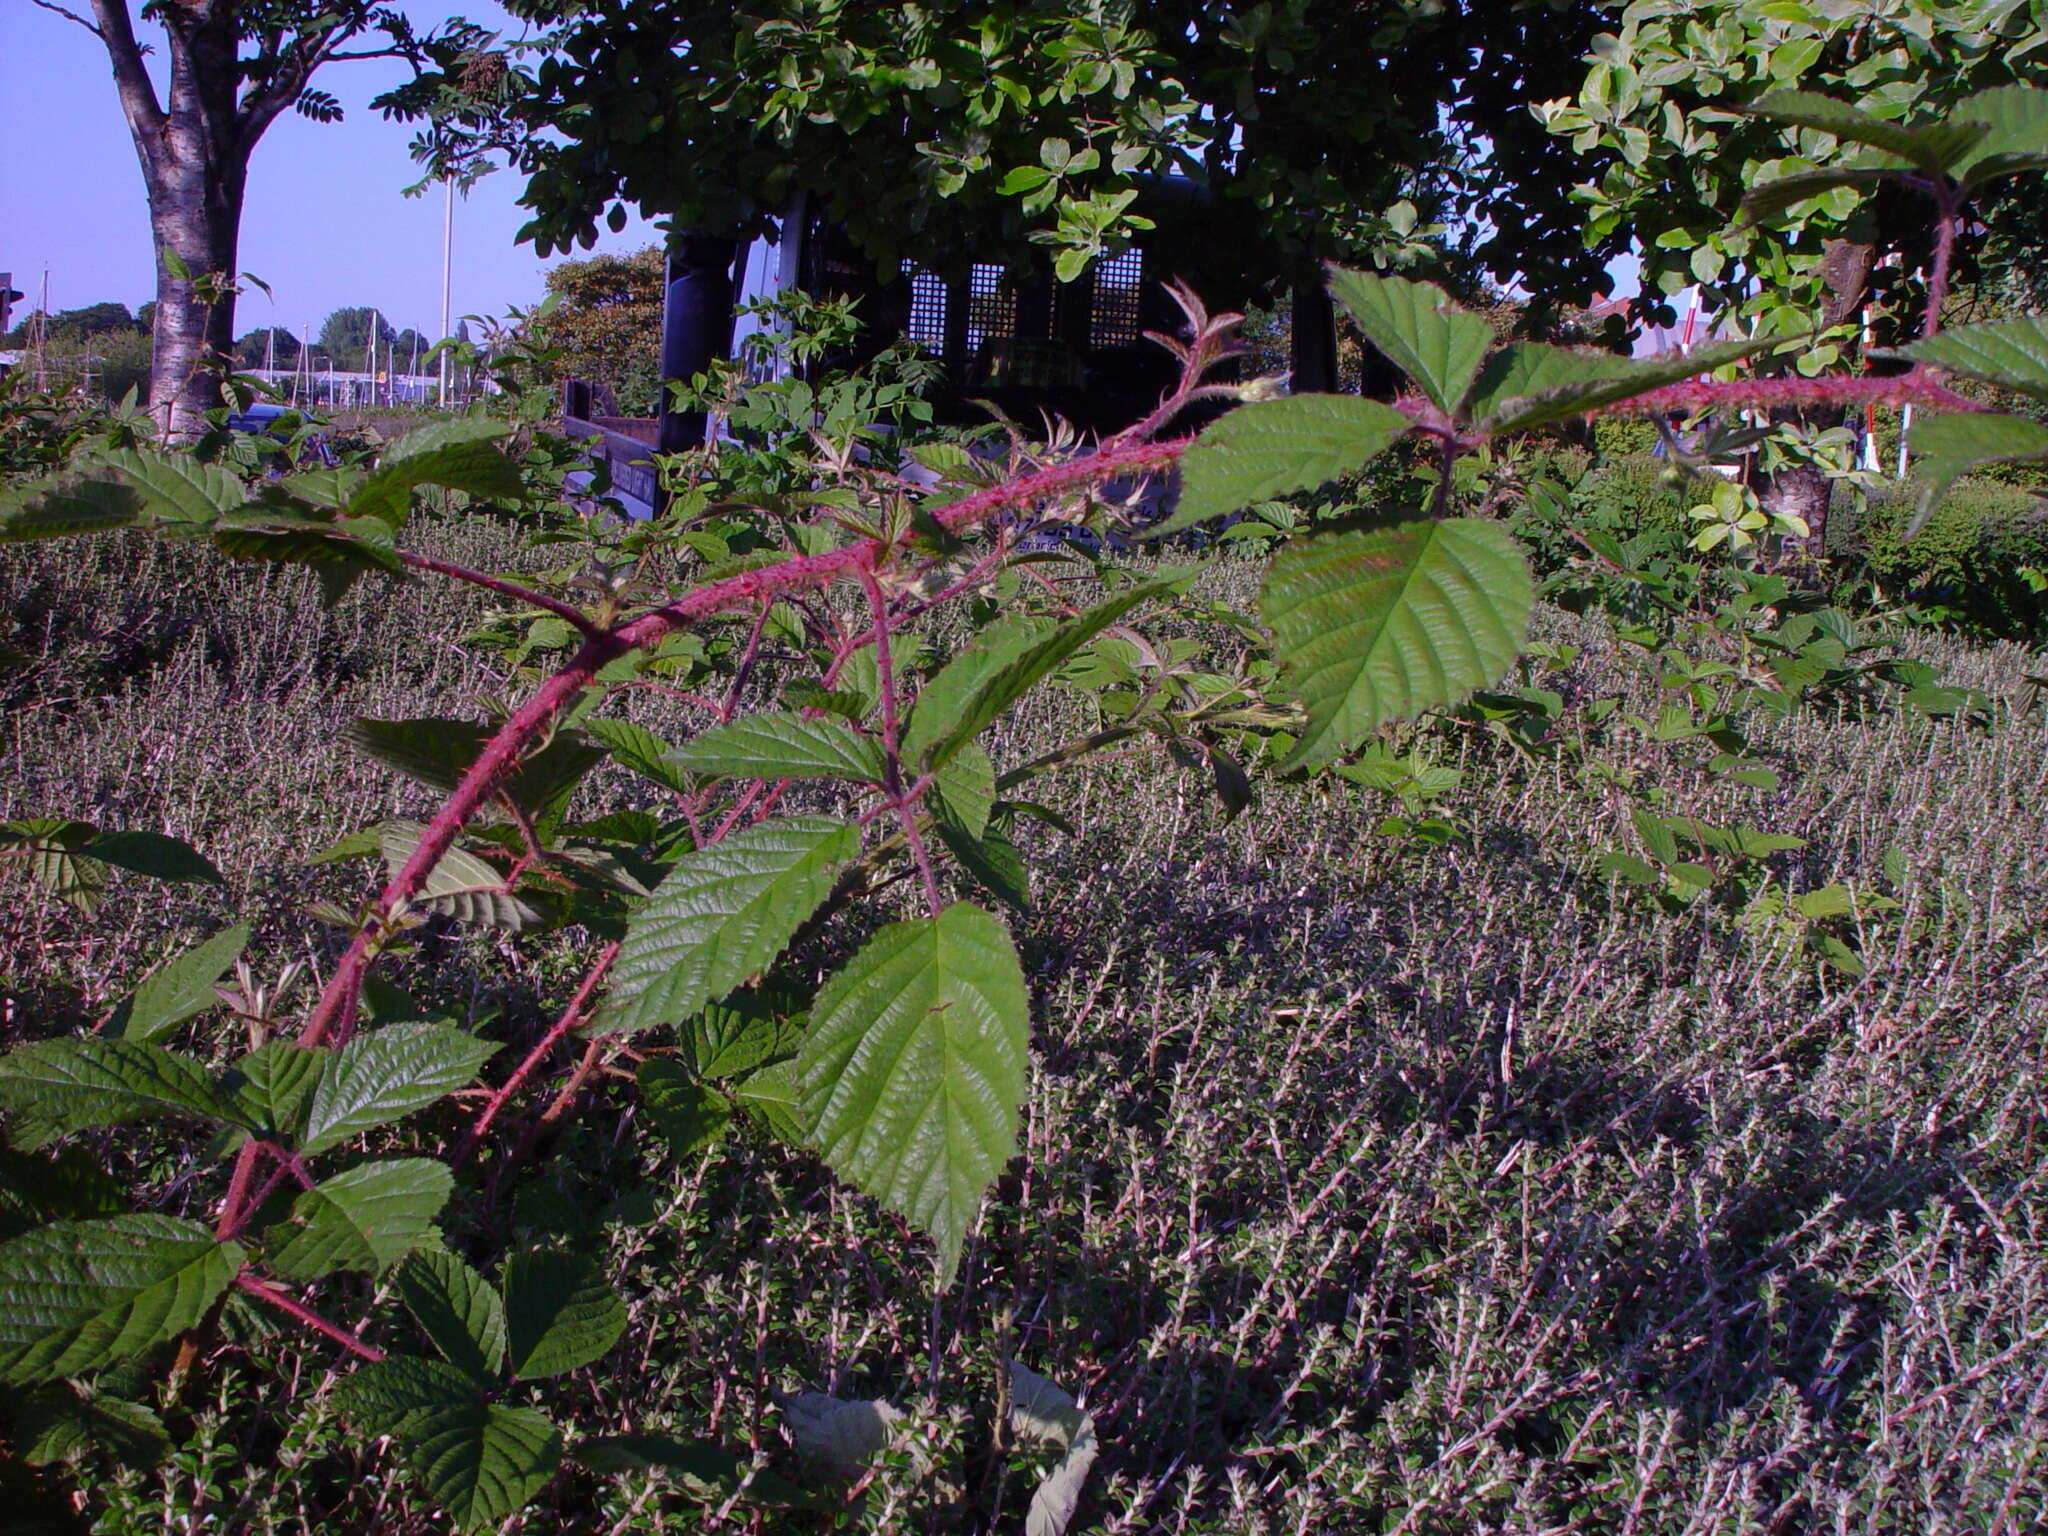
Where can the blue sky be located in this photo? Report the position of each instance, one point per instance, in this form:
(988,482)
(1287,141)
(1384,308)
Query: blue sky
(325,225)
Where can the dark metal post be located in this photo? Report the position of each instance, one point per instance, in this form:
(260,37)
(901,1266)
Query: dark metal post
(696,328)
(1314,349)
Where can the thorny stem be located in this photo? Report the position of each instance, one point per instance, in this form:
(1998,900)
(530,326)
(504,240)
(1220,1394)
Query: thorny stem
(1950,196)
(1918,387)
(570,1017)
(561,610)
(285,1302)
(333,1017)
(745,670)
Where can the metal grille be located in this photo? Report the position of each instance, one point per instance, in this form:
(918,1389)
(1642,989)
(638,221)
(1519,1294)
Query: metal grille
(1113,322)
(991,307)
(927,308)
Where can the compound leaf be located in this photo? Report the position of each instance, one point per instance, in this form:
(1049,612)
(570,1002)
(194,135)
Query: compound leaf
(385,1074)
(560,1312)
(1276,447)
(1375,625)
(720,916)
(79,1295)
(365,1218)
(274,1086)
(915,1066)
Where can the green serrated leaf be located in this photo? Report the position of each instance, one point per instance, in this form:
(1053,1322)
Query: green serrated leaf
(456,1308)
(383,1075)
(62,1186)
(1935,149)
(76,1296)
(378,1398)
(365,1218)
(2016,120)
(1948,447)
(561,1313)
(773,1095)
(1530,385)
(437,752)
(66,1421)
(481,1462)
(2012,353)
(51,1088)
(1376,625)
(686,1114)
(1275,448)
(153,854)
(963,792)
(52,844)
(461,885)
(67,504)
(1419,328)
(967,694)
(776,744)
(274,1085)
(178,487)
(1769,199)
(459,452)
(736,1036)
(915,1066)
(992,860)
(179,989)
(720,917)
(639,749)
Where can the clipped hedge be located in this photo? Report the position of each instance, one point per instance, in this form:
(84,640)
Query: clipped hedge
(1965,563)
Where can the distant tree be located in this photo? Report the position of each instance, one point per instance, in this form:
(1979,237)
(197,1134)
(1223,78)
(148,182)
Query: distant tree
(91,320)
(345,336)
(145,315)
(254,348)
(409,344)
(230,67)
(608,324)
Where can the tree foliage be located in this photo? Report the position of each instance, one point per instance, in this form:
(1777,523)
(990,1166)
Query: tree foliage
(605,326)
(940,131)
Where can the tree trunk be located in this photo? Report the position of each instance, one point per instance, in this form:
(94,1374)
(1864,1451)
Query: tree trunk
(196,174)
(1800,491)
(193,214)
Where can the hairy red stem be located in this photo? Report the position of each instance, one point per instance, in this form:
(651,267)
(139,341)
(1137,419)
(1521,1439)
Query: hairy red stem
(333,1017)
(1917,387)
(503,588)
(305,1314)
(521,1074)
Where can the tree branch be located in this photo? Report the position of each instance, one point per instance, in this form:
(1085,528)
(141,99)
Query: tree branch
(139,102)
(72,16)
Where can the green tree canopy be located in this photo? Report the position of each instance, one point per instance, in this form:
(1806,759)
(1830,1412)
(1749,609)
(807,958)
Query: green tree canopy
(967,127)
(607,324)
(257,346)
(345,336)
